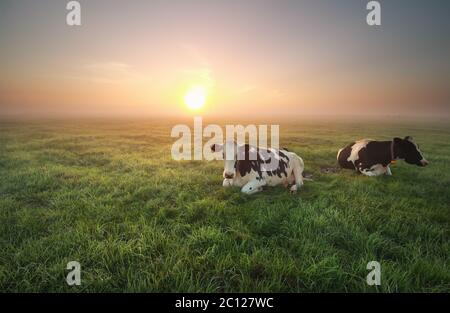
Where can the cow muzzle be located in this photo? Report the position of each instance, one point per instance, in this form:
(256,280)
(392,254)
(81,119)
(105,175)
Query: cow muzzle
(228,175)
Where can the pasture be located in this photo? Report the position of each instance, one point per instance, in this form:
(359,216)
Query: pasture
(108,195)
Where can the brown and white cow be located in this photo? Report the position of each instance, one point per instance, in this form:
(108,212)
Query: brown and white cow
(252,168)
(372,158)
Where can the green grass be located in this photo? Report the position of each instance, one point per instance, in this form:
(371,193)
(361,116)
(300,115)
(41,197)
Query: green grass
(108,195)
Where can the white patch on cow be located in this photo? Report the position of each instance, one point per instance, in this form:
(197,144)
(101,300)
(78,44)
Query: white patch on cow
(339,152)
(274,153)
(298,166)
(374,170)
(356,148)
(227,182)
(253,186)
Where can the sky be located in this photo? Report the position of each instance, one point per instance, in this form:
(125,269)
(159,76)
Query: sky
(266,58)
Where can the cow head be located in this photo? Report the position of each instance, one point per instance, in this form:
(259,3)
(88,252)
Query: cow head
(229,152)
(410,152)
(233,153)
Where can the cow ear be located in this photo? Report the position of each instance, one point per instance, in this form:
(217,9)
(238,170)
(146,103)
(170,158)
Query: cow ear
(408,138)
(216,147)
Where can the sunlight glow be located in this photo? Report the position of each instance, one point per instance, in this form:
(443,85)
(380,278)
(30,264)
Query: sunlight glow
(195,98)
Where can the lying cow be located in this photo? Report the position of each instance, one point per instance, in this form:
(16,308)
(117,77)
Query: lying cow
(372,158)
(252,168)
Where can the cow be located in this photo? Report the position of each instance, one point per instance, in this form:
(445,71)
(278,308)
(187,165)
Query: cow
(372,158)
(252,168)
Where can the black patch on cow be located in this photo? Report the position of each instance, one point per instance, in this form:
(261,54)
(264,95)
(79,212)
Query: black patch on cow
(375,152)
(246,165)
(344,155)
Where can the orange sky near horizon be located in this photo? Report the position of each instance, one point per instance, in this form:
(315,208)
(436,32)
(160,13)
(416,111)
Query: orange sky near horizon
(258,57)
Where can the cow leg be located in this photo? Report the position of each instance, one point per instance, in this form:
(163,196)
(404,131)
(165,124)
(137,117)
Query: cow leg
(368,172)
(293,189)
(253,186)
(227,182)
(374,170)
(388,171)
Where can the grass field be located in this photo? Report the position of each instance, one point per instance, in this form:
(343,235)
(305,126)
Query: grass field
(107,194)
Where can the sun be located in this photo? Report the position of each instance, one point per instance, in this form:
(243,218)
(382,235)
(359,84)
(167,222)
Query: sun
(195,98)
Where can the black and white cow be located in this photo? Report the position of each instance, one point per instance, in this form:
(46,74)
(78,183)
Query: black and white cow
(372,158)
(252,168)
